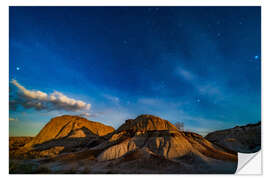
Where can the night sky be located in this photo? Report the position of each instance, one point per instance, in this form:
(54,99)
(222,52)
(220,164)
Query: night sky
(197,65)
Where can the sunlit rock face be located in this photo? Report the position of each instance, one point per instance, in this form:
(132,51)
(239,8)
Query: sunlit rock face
(64,127)
(146,144)
(161,138)
(244,139)
(145,123)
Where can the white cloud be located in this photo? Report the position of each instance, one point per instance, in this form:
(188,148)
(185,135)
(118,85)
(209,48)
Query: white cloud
(61,101)
(30,94)
(41,101)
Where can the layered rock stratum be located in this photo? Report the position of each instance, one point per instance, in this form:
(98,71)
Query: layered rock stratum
(66,127)
(244,139)
(146,144)
(61,134)
(153,135)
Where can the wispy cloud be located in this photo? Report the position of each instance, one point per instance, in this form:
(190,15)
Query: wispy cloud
(200,85)
(149,101)
(42,101)
(187,75)
(91,114)
(111,98)
(113,116)
(203,125)
(85,114)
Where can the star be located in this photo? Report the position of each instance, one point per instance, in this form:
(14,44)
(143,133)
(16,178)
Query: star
(256,57)
(17,68)
(198,100)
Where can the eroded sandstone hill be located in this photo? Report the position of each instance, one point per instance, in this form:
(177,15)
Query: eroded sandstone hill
(67,127)
(155,136)
(245,139)
(146,144)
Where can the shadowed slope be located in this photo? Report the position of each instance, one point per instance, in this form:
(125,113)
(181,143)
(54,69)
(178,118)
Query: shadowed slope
(70,127)
(245,139)
(159,137)
(147,144)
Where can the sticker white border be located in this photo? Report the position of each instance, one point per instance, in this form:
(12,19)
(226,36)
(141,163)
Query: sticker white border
(5,59)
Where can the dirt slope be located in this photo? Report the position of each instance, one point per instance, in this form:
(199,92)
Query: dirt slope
(245,139)
(146,144)
(156,136)
(64,127)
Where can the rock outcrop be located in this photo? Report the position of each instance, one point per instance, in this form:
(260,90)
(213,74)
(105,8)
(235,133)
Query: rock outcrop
(156,136)
(244,139)
(144,123)
(146,144)
(69,127)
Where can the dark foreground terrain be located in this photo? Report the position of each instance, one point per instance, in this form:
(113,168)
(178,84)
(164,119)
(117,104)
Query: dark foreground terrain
(244,139)
(145,145)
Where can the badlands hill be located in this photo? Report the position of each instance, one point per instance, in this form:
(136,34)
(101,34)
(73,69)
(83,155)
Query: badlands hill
(155,136)
(146,144)
(64,127)
(61,134)
(244,139)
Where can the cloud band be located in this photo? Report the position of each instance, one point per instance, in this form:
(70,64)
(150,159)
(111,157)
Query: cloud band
(42,101)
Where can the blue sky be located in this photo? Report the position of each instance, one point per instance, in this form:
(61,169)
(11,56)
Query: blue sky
(197,65)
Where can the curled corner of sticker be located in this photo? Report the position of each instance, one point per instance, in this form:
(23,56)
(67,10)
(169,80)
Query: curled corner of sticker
(249,163)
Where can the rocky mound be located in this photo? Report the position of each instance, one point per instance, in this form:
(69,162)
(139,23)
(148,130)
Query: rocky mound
(69,127)
(244,139)
(144,123)
(158,137)
(146,144)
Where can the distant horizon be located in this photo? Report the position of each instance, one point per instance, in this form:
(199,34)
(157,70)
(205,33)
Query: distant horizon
(189,130)
(197,65)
